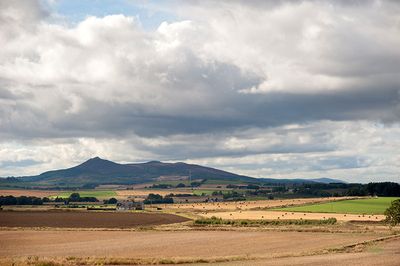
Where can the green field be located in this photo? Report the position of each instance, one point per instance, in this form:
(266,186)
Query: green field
(357,206)
(199,192)
(101,194)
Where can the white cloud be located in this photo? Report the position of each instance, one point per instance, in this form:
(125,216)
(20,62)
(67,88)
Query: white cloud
(264,88)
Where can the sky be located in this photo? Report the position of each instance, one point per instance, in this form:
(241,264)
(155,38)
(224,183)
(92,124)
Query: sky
(274,89)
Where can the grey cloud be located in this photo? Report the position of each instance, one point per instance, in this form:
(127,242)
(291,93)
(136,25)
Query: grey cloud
(6,94)
(22,163)
(245,111)
(297,163)
(18,16)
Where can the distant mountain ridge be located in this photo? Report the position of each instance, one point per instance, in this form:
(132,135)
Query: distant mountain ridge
(97,171)
(326,180)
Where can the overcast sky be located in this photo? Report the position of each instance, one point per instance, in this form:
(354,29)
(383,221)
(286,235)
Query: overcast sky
(278,89)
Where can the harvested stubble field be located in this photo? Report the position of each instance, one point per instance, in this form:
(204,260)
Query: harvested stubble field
(249,205)
(273,215)
(153,246)
(64,219)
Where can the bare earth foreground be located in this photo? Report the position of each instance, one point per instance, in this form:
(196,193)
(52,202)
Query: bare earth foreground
(64,219)
(169,244)
(382,254)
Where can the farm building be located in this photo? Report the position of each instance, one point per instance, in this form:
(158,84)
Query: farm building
(129,205)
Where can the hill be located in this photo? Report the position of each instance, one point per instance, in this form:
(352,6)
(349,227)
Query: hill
(97,171)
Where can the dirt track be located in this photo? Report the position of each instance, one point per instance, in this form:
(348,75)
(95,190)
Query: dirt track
(84,219)
(168,244)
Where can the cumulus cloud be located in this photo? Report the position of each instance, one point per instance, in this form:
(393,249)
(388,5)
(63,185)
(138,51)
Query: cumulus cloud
(271,83)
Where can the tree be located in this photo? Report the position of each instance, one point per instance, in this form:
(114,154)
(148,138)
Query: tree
(384,189)
(22,200)
(252,186)
(157,199)
(216,193)
(46,199)
(195,184)
(111,201)
(57,199)
(74,197)
(8,200)
(393,213)
(36,201)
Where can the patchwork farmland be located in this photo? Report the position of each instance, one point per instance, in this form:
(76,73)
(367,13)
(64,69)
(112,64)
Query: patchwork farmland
(285,230)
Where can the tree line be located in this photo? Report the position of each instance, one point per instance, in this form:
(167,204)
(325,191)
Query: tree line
(381,189)
(22,200)
(158,199)
(31,200)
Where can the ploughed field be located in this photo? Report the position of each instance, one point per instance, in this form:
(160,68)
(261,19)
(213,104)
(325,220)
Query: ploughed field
(85,219)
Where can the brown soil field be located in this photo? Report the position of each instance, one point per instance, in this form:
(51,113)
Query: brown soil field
(23,192)
(169,244)
(84,219)
(273,215)
(247,205)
